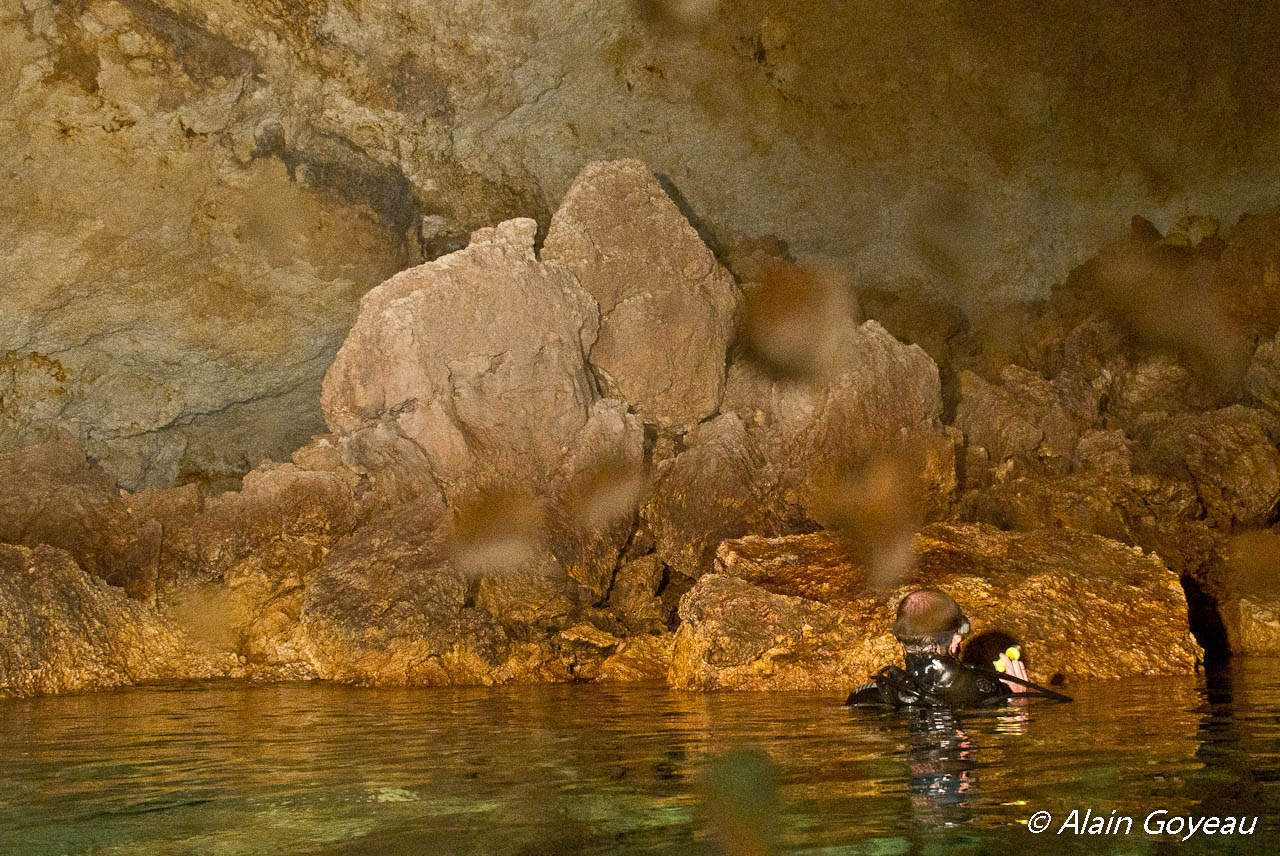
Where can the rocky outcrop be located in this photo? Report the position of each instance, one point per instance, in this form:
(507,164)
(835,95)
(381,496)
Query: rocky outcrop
(53,496)
(479,359)
(798,613)
(233,570)
(1228,454)
(500,499)
(668,310)
(878,391)
(720,487)
(194,202)
(1022,423)
(62,630)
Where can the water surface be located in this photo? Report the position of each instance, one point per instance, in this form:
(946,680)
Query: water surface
(231,768)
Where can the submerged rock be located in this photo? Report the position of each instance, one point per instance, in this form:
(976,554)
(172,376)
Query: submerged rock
(797,613)
(62,630)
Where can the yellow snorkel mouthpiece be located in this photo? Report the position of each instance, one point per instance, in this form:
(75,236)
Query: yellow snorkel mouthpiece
(1012,653)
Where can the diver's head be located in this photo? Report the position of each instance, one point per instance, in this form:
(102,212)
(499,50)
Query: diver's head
(929,622)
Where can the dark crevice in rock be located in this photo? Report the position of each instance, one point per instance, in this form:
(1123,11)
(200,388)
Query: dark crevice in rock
(333,164)
(699,225)
(1206,622)
(202,54)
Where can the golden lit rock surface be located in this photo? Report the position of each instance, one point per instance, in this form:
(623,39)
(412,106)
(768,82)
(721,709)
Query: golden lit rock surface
(796,612)
(62,630)
(1252,624)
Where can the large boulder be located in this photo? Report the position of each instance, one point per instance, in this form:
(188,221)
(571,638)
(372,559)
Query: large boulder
(62,630)
(798,613)
(479,357)
(667,308)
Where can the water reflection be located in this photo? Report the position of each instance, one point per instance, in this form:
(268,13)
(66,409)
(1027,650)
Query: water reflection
(312,769)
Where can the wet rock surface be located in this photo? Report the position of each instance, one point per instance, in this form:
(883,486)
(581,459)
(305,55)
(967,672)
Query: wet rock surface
(62,630)
(797,612)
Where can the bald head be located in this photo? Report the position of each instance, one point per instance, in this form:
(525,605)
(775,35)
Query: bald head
(928,620)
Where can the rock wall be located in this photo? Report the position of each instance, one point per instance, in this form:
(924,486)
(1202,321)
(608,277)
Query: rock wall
(801,612)
(485,508)
(196,194)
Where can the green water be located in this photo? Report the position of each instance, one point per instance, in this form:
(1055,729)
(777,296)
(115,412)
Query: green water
(226,768)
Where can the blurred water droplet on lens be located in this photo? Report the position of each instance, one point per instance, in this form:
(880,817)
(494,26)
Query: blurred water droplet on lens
(953,237)
(677,13)
(740,803)
(1253,564)
(792,320)
(496,531)
(877,508)
(607,493)
(1161,293)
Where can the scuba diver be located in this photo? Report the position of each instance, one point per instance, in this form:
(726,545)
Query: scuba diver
(929,627)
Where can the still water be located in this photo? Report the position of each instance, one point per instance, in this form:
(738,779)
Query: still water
(229,768)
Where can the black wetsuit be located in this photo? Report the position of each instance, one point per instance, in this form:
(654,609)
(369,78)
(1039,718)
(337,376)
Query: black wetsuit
(933,680)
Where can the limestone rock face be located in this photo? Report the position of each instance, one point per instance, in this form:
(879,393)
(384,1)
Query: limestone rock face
(734,635)
(62,630)
(53,496)
(1253,625)
(720,487)
(1228,454)
(232,570)
(1162,517)
(1262,378)
(879,391)
(634,595)
(668,309)
(478,357)
(1023,421)
(1248,273)
(194,199)
(797,613)
(172,300)
(388,608)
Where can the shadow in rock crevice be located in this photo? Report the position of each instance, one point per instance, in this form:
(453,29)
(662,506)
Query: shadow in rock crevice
(1206,623)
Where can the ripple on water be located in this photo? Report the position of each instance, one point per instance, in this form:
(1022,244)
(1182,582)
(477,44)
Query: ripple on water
(224,768)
